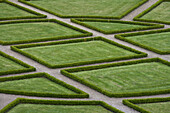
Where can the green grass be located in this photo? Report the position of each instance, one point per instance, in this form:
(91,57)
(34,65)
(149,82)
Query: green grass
(160,13)
(110,8)
(157,41)
(110,26)
(32,31)
(7,10)
(77,52)
(40,108)
(159,107)
(7,64)
(41,85)
(130,78)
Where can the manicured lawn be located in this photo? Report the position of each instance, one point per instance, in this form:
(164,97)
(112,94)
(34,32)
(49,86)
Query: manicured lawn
(7,10)
(7,64)
(142,77)
(110,8)
(41,85)
(32,31)
(159,107)
(61,54)
(40,108)
(110,26)
(160,13)
(157,41)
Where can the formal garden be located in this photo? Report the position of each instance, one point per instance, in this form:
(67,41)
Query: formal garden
(84,56)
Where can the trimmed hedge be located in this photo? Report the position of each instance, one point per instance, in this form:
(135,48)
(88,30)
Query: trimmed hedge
(80,94)
(150,25)
(131,103)
(37,15)
(28,68)
(17,49)
(85,33)
(104,17)
(123,37)
(138,17)
(57,102)
(68,73)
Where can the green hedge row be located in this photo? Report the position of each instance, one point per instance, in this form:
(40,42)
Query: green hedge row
(28,68)
(123,37)
(17,49)
(138,17)
(57,102)
(131,103)
(68,73)
(149,25)
(66,16)
(80,94)
(85,33)
(37,15)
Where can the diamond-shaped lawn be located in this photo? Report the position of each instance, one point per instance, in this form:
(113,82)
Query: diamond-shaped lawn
(125,79)
(10,65)
(160,13)
(157,41)
(149,105)
(38,84)
(9,10)
(87,8)
(114,26)
(21,105)
(37,30)
(77,52)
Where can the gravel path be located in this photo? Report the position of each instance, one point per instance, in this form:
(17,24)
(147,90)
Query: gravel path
(94,95)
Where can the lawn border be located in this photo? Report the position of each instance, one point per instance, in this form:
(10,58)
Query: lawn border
(68,73)
(104,17)
(137,18)
(81,94)
(131,103)
(18,47)
(28,68)
(38,15)
(84,33)
(58,102)
(123,37)
(150,25)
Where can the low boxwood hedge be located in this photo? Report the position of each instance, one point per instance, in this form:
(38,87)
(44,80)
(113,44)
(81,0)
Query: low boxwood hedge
(138,17)
(131,103)
(80,94)
(28,68)
(68,73)
(18,47)
(123,37)
(57,102)
(149,25)
(37,15)
(85,33)
(66,16)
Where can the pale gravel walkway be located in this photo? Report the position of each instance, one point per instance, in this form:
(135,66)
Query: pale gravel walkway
(94,95)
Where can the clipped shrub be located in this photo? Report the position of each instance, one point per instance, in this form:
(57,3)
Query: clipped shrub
(68,73)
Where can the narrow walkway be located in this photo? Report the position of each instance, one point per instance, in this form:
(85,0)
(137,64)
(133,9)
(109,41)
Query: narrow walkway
(94,95)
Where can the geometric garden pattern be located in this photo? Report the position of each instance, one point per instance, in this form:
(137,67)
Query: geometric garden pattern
(76,56)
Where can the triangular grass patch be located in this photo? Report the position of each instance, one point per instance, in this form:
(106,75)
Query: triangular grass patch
(39,84)
(9,10)
(22,105)
(11,65)
(115,26)
(149,105)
